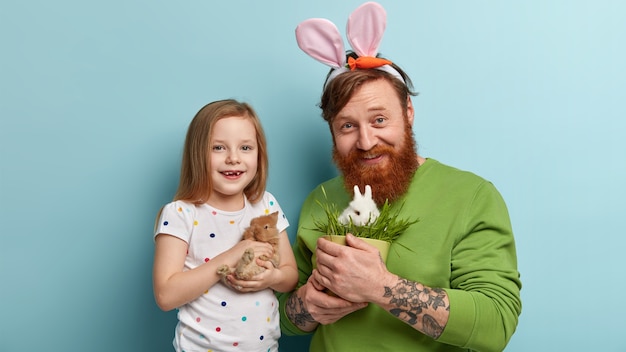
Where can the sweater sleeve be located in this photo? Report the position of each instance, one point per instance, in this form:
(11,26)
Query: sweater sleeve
(485,285)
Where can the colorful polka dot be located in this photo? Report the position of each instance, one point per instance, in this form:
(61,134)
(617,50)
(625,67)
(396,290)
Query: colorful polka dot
(218,329)
(214,212)
(212,235)
(244,318)
(206,260)
(195,223)
(261,338)
(235,344)
(223,303)
(165,223)
(180,210)
(232,222)
(198,319)
(271,202)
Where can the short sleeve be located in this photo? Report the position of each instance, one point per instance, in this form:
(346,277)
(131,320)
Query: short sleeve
(177,220)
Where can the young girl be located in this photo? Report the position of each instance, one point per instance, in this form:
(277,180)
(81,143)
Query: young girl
(222,187)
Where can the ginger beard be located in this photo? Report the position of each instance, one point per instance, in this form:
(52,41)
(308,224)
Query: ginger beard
(389,181)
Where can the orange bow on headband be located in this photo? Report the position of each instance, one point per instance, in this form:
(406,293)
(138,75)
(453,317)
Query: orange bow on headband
(366,62)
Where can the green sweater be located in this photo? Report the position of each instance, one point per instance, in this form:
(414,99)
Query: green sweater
(463,243)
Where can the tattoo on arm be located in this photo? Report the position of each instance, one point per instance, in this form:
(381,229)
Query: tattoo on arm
(297,313)
(415,304)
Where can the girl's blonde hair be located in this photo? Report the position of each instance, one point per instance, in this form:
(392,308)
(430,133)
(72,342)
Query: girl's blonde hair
(195,185)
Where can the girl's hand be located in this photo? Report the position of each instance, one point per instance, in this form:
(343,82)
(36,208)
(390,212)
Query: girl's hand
(281,279)
(234,254)
(259,282)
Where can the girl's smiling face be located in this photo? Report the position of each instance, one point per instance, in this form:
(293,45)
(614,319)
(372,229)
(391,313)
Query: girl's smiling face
(234,161)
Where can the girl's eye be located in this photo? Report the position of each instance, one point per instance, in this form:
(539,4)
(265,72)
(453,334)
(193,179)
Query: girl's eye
(246,147)
(218,147)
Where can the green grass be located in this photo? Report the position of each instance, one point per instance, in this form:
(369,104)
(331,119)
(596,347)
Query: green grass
(387,227)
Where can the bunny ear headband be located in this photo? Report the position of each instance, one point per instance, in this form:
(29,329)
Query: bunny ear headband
(320,39)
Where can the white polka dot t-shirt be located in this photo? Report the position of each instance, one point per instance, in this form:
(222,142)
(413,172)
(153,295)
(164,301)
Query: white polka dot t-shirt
(222,319)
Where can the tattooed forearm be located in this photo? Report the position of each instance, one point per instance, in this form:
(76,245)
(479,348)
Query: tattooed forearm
(426,309)
(297,313)
(431,327)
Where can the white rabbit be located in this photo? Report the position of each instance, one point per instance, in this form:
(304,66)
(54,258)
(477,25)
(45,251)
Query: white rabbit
(362,209)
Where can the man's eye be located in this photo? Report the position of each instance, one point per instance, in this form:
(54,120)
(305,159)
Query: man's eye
(347,125)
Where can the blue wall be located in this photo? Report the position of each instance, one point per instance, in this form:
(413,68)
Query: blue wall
(95,98)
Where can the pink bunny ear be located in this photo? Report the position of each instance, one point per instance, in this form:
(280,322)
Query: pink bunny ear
(320,39)
(365,29)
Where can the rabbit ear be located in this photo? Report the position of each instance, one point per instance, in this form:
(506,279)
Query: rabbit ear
(365,29)
(368,192)
(320,39)
(357,192)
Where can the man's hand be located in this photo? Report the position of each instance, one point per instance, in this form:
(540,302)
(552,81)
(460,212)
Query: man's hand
(355,272)
(310,306)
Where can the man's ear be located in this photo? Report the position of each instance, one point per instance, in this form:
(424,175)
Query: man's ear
(410,112)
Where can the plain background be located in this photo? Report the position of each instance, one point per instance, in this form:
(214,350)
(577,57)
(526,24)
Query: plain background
(96,96)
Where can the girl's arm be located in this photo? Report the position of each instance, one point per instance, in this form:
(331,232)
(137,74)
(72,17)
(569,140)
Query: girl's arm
(288,278)
(174,287)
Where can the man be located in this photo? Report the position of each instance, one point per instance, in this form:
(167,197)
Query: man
(450,282)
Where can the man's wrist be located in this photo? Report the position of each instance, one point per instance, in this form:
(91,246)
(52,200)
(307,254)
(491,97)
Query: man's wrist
(297,312)
(390,280)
